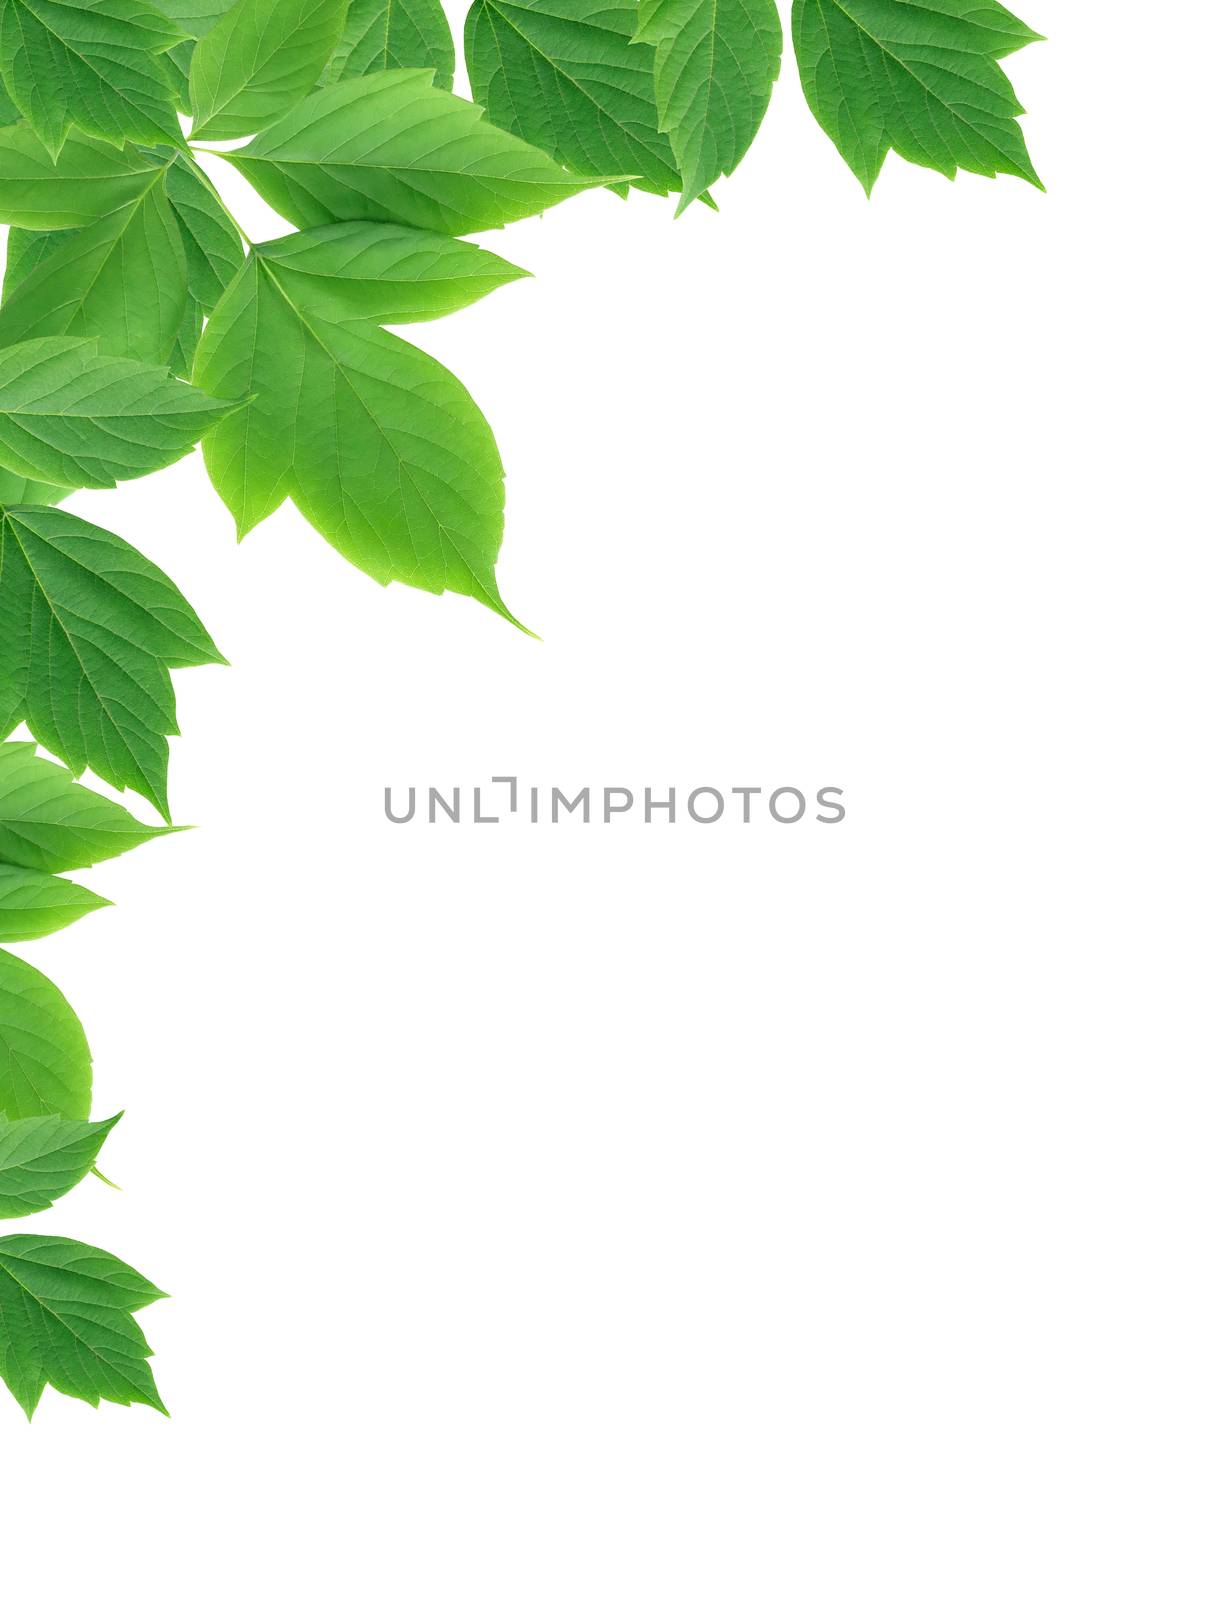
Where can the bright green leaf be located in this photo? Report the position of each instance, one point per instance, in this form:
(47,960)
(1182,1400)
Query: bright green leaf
(714,67)
(44,1056)
(920,79)
(73,416)
(88,632)
(386,273)
(383,34)
(88,179)
(380,447)
(15,491)
(213,249)
(392,148)
(41,1158)
(565,75)
(91,64)
(122,280)
(54,825)
(260,59)
(66,1320)
(33,904)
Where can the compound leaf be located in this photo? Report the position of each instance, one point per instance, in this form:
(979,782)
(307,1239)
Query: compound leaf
(92,64)
(87,180)
(383,34)
(380,447)
(66,1320)
(41,1158)
(392,148)
(921,79)
(88,632)
(260,59)
(566,76)
(71,415)
(121,280)
(714,65)
(54,825)
(45,1066)
(33,904)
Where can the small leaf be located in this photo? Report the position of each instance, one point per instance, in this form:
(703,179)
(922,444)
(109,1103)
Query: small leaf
(385,273)
(33,904)
(258,61)
(54,825)
(73,416)
(121,280)
(91,64)
(919,79)
(45,1066)
(565,75)
(87,180)
(715,63)
(380,447)
(66,1320)
(383,34)
(41,1158)
(391,148)
(88,632)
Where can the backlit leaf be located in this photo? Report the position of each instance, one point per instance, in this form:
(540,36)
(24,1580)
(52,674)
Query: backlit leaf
(42,1158)
(33,904)
(44,1056)
(260,59)
(52,824)
(383,34)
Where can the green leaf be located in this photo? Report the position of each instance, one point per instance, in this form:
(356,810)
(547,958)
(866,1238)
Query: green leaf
(122,280)
(91,64)
(73,416)
(383,34)
(380,447)
(54,825)
(920,79)
(565,75)
(87,180)
(385,273)
(391,148)
(45,1065)
(88,632)
(714,67)
(260,59)
(33,904)
(66,1320)
(213,250)
(15,491)
(194,18)
(41,1158)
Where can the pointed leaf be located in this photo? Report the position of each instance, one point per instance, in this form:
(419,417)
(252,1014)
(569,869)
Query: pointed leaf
(73,416)
(54,825)
(391,148)
(121,280)
(41,1158)
(565,75)
(715,63)
(380,447)
(88,632)
(919,79)
(383,34)
(33,904)
(213,249)
(65,1320)
(386,273)
(87,180)
(91,64)
(260,59)
(45,1065)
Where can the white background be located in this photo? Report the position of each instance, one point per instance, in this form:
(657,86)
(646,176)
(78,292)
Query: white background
(705,1213)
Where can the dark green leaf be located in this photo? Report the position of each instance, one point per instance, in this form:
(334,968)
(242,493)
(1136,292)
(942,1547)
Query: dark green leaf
(88,632)
(66,1320)
(383,34)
